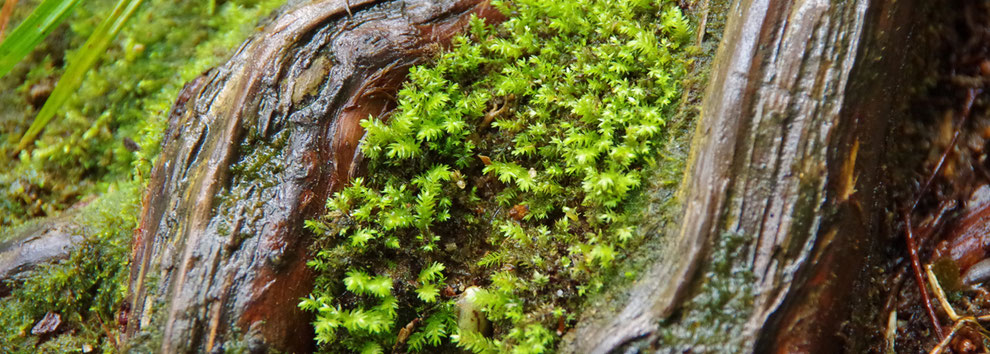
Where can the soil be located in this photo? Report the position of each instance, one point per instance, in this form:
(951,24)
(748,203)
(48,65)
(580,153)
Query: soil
(941,186)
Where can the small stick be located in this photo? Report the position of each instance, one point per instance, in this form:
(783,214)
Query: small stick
(5,13)
(940,294)
(959,320)
(700,36)
(916,266)
(891,333)
(107,332)
(970,97)
(490,116)
(909,235)
(945,341)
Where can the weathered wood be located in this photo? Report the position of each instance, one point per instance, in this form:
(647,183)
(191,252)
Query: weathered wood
(39,242)
(787,157)
(830,299)
(253,149)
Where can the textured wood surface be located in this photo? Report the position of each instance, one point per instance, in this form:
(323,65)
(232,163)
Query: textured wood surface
(787,156)
(254,148)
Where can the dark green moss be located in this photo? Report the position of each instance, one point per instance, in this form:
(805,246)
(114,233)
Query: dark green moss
(712,320)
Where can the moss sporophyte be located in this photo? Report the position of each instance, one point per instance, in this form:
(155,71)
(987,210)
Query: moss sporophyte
(508,168)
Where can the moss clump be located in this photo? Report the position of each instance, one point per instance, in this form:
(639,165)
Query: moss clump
(85,290)
(109,131)
(511,163)
(105,143)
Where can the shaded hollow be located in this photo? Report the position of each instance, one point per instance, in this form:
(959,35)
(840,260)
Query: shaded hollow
(253,148)
(939,144)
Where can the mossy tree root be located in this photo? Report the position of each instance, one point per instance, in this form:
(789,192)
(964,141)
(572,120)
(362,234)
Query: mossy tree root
(253,148)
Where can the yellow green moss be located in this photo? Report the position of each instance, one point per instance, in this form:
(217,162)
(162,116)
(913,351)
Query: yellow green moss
(514,162)
(110,129)
(85,290)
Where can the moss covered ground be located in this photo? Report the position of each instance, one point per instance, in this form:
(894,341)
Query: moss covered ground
(98,151)
(109,131)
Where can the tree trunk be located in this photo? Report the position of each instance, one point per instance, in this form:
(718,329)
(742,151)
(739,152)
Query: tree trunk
(253,149)
(783,203)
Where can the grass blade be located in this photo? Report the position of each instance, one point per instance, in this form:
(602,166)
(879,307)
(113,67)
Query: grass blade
(38,25)
(79,64)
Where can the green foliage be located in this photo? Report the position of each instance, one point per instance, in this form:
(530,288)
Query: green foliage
(38,25)
(79,64)
(428,291)
(369,313)
(85,154)
(109,129)
(435,329)
(364,326)
(86,289)
(475,342)
(533,136)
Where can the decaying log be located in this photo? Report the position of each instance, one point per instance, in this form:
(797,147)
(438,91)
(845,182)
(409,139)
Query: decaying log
(787,156)
(253,148)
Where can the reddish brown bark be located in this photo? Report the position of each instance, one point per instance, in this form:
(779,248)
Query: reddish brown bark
(253,149)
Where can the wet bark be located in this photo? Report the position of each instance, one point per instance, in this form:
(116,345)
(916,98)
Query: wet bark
(253,148)
(788,157)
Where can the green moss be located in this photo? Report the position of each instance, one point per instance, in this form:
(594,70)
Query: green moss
(518,160)
(660,208)
(712,320)
(85,289)
(121,105)
(110,130)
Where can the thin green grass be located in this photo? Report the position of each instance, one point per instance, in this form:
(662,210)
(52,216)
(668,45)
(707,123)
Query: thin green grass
(79,65)
(32,31)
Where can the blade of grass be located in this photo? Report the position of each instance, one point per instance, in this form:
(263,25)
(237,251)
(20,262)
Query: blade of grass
(38,25)
(79,64)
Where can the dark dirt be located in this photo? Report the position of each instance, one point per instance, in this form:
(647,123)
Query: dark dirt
(947,202)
